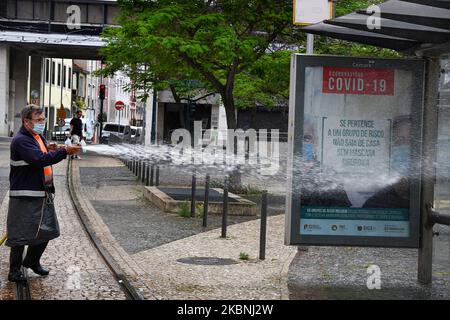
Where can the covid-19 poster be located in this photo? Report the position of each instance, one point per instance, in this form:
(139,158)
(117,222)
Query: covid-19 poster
(354,169)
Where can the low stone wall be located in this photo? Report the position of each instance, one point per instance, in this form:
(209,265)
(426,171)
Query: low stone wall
(239,207)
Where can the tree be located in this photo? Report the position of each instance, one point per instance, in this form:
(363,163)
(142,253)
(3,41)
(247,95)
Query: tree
(206,40)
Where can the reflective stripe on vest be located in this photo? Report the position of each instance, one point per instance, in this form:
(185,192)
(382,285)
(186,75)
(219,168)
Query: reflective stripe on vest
(26,193)
(19,163)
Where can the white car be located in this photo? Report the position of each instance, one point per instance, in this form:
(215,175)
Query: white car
(136,134)
(123,132)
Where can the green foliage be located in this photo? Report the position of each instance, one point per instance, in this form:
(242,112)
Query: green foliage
(184,210)
(80,103)
(198,47)
(208,41)
(244,256)
(199,209)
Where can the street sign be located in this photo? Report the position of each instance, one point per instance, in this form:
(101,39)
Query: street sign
(119,105)
(312,11)
(354,155)
(61,113)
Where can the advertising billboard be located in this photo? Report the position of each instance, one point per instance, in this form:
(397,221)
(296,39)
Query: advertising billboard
(354,154)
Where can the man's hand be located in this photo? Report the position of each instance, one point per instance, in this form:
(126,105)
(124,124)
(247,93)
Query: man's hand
(71,150)
(52,147)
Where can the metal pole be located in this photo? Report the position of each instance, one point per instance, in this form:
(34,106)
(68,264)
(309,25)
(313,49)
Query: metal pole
(430,121)
(225,208)
(139,170)
(194,184)
(206,202)
(157,176)
(310,44)
(152,172)
(263,230)
(153,136)
(143,172)
(147,181)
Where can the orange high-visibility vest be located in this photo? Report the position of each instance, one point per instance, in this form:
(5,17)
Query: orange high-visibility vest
(48,171)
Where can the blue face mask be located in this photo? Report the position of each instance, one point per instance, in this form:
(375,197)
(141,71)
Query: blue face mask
(400,160)
(308,151)
(39,128)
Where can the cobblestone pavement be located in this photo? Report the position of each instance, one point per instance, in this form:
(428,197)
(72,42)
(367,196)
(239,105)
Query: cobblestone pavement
(155,240)
(77,271)
(6,290)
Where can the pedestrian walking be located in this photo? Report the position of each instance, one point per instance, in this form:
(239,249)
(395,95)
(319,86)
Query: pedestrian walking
(76,130)
(32,218)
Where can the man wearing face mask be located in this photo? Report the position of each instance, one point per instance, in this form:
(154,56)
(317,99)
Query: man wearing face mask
(31,216)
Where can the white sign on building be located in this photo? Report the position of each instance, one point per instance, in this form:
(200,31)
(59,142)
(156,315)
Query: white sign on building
(312,11)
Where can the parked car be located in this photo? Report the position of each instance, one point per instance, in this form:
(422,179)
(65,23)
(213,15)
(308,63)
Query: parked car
(61,134)
(120,132)
(136,134)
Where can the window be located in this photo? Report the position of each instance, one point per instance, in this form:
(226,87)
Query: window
(47,71)
(53,72)
(59,74)
(64,76)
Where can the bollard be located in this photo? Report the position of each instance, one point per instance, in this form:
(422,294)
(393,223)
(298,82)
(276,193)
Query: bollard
(263,232)
(143,172)
(157,176)
(225,208)
(139,175)
(194,185)
(147,175)
(132,165)
(152,175)
(206,202)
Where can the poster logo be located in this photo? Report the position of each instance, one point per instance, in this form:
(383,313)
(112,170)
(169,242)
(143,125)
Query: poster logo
(358,81)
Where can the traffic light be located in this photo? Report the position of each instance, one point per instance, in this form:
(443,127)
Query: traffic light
(102,92)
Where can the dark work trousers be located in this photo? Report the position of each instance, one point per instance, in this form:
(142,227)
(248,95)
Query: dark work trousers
(33,257)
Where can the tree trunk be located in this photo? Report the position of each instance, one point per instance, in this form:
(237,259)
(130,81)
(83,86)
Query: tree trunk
(230,111)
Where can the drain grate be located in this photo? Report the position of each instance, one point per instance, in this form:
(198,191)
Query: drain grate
(207,261)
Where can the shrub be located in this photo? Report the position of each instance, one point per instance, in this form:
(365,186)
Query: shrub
(184,210)
(243,256)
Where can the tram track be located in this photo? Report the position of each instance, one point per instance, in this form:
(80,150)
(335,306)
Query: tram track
(129,290)
(22,289)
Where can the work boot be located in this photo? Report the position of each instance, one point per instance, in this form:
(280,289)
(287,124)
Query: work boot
(38,269)
(33,257)
(17,276)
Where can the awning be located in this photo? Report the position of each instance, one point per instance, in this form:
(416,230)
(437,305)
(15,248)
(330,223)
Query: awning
(405,25)
(55,45)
